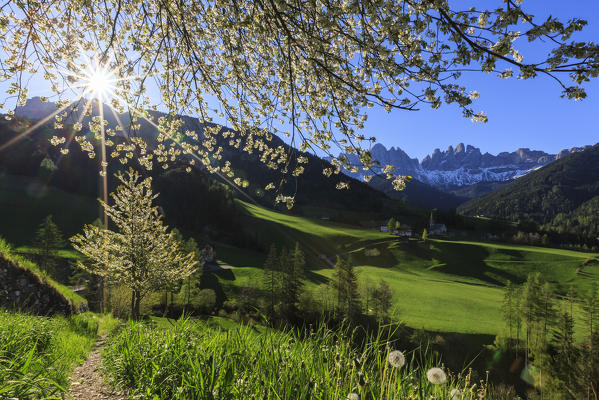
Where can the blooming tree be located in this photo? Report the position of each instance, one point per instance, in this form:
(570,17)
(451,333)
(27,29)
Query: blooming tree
(307,69)
(141,254)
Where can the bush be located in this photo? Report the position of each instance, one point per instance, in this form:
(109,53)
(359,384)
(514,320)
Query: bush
(206,300)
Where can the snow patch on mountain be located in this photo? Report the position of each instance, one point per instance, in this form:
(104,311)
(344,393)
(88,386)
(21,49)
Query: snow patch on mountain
(462,165)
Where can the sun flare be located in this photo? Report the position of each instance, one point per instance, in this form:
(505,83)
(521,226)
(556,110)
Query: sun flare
(99,81)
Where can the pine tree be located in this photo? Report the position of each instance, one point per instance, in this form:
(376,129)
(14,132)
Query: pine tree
(590,363)
(369,292)
(547,311)
(142,254)
(48,240)
(531,293)
(564,368)
(271,279)
(292,265)
(383,299)
(509,310)
(345,284)
(193,281)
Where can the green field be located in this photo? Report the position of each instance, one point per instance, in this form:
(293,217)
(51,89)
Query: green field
(452,286)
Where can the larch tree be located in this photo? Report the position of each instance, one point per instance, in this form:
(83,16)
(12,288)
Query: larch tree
(141,253)
(309,70)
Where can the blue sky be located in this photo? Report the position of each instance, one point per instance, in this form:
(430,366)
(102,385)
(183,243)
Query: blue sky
(521,113)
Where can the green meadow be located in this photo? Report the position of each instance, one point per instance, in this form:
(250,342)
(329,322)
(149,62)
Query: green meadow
(440,285)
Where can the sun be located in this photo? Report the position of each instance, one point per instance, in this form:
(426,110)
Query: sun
(99,81)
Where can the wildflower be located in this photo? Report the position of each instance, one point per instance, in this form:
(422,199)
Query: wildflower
(353,396)
(397,359)
(436,376)
(455,394)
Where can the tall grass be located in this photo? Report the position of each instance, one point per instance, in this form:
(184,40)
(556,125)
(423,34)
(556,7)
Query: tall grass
(37,354)
(193,360)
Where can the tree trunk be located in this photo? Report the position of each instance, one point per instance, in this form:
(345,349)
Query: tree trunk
(136,302)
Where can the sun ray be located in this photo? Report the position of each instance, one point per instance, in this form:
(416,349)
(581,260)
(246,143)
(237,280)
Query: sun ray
(118,121)
(73,133)
(36,125)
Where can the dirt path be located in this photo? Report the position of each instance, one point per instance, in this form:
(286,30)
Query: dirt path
(87,382)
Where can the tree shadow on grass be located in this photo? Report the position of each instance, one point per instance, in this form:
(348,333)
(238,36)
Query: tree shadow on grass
(469,261)
(316,278)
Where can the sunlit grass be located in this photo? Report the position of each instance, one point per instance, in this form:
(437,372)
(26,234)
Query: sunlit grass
(37,354)
(193,360)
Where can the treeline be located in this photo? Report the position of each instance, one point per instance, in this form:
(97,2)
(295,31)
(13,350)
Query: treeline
(540,328)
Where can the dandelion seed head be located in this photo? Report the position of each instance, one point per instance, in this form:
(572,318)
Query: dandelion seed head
(397,359)
(353,396)
(455,394)
(436,376)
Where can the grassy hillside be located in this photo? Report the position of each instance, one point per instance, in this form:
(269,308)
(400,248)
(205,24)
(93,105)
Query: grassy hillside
(25,202)
(76,302)
(454,286)
(563,194)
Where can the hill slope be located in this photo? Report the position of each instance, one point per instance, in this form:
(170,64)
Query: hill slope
(311,187)
(563,195)
(451,286)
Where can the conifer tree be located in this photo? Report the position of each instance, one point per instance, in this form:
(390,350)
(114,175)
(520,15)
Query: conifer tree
(590,362)
(193,281)
(531,291)
(345,284)
(383,299)
(48,240)
(292,265)
(510,311)
(271,279)
(142,254)
(548,314)
(298,272)
(565,368)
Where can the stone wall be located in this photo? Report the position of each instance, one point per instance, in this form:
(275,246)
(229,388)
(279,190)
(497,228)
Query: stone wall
(23,290)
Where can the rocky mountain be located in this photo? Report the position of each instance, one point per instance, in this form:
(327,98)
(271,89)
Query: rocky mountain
(463,165)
